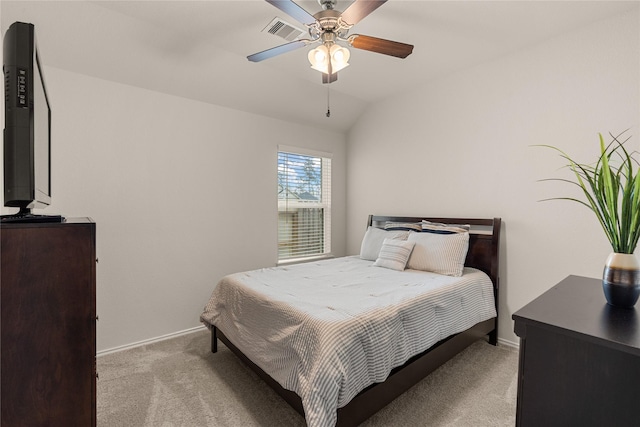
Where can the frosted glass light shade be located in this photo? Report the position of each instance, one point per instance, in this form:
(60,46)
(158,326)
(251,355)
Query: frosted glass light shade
(319,58)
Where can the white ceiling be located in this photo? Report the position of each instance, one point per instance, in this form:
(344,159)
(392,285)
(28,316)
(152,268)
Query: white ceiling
(198,49)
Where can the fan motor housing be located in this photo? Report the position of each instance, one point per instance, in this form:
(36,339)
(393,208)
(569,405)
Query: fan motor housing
(328,19)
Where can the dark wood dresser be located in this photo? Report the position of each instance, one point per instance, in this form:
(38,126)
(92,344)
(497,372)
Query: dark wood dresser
(579,358)
(48,324)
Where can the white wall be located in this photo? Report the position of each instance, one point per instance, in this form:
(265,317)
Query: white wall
(182,193)
(161,175)
(462,146)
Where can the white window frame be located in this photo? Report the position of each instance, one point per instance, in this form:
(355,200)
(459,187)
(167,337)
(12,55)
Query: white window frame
(324,203)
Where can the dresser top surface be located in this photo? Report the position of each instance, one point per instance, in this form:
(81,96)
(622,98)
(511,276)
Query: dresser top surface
(577,305)
(66,221)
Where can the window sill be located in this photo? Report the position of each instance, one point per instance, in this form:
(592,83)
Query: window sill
(303,260)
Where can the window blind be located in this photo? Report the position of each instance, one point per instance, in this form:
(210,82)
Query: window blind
(304,205)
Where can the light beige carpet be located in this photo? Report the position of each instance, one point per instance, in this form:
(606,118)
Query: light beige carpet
(179,382)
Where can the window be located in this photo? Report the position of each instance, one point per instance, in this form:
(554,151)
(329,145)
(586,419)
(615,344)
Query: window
(304,204)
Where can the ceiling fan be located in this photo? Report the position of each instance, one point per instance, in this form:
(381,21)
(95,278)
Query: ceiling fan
(329,26)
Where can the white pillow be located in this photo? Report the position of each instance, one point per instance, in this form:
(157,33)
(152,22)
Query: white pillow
(373,239)
(394,254)
(439,253)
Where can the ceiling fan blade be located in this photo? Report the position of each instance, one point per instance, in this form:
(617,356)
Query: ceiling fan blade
(283,48)
(360,9)
(293,10)
(329,78)
(387,47)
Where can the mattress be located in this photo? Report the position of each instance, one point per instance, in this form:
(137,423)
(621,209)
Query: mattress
(328,329)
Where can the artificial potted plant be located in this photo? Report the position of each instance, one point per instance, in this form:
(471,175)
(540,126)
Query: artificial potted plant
(611,189)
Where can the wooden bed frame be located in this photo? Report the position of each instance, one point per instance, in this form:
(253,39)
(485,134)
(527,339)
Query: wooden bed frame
(483,254)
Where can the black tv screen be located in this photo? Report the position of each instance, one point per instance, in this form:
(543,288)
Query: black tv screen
(27,134)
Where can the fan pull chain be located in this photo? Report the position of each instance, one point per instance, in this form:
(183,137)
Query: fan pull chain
(328,101)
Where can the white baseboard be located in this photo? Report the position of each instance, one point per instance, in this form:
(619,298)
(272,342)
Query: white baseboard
(150,341)
(507,343)
(501,341)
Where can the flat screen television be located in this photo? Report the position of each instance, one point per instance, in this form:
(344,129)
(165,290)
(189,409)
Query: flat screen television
(27,132)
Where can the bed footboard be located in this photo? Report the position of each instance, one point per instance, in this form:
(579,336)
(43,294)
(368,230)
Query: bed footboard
(376,396)
(290,397)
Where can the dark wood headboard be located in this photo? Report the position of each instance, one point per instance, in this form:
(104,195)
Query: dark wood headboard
(484,241)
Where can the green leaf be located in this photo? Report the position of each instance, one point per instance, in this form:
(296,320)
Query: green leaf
(611,189)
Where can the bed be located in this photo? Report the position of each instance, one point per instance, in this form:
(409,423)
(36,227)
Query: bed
(336,362)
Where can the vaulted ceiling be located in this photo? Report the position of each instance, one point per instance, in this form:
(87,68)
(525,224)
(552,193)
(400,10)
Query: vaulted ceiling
(198,49)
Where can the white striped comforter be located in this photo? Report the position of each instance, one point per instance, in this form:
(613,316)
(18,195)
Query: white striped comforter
(326,330)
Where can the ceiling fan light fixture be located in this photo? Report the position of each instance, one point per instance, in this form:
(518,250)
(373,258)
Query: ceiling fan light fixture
(320,56)
(340,56)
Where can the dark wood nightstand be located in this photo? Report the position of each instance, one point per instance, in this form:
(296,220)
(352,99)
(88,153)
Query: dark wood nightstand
(579,358)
